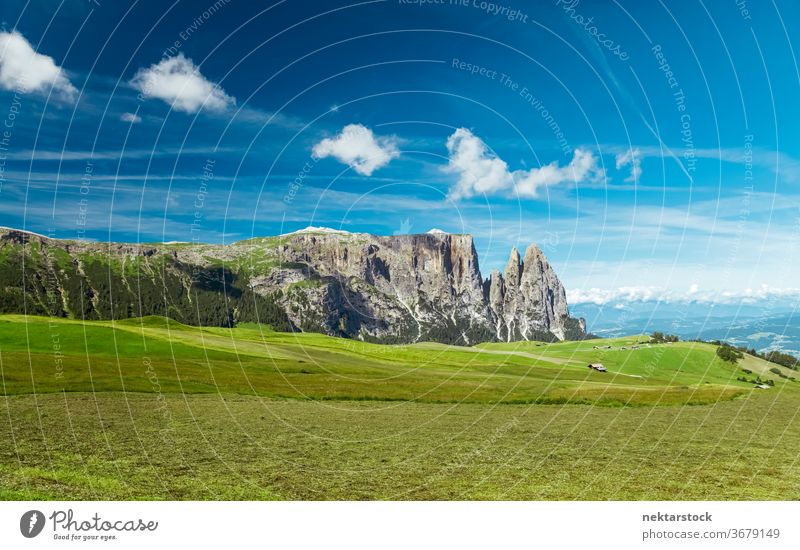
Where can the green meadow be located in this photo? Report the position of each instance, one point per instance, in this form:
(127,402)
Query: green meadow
(153,409)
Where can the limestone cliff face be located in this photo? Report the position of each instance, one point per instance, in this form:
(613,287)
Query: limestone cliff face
(529,300)
(403,288)
(429,286)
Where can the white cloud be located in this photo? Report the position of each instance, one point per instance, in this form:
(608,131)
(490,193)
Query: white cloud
(632,158)
(130,117)
(583,167)
(177,81)
(21,67)
(359,148)
(482,172)
(630,294)
(479,170)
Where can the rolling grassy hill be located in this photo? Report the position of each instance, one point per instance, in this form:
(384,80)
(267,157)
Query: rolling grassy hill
(43,355)
(150,408)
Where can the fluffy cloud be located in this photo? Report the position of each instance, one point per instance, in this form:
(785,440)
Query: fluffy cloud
(130,117)
(582,167)
(632,158)
(359,148)
(177,81)
(21,67)
(479,170)
(482,172)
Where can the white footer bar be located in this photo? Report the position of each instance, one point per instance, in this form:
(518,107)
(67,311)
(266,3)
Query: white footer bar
(400,525)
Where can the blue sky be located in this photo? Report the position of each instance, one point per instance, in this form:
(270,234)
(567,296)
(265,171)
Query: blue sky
(651,151)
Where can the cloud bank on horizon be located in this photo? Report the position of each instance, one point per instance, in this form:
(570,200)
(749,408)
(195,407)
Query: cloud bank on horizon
(628,294)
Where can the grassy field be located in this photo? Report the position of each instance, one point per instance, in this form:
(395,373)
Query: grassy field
(148,408)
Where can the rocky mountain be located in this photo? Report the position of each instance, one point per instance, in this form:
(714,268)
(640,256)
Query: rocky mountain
(402,288)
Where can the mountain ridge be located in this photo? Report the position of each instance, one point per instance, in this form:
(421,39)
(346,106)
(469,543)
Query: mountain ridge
(391,289)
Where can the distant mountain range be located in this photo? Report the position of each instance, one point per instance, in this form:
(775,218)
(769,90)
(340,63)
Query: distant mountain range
(401,288)
(771,325)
